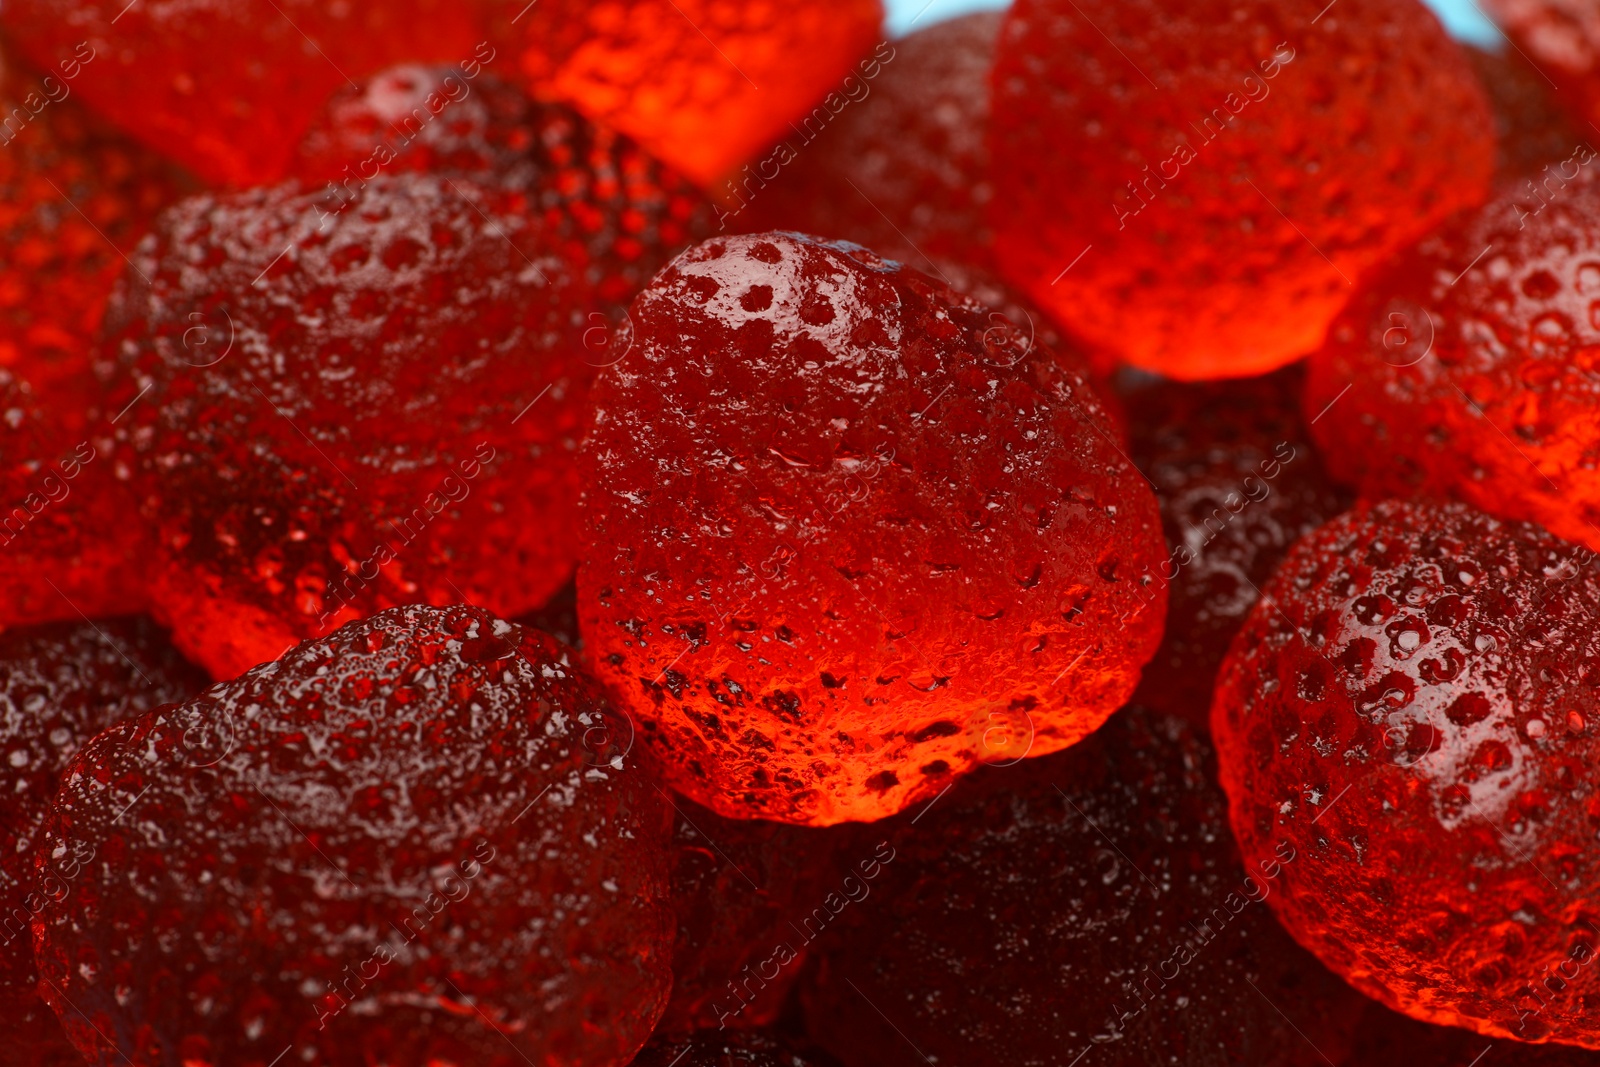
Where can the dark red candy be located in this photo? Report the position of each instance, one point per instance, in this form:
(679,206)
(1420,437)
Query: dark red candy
(1533,131)
(614,214)
(336,412)
(737,885)
(1239,483)
(850,539)
(60,685)
(1198,185)
(74,197)
(415,841)
(1090,904)
(1468,370)
(558,617)
(733,1048)
(70,543)
(1411,707)
(1562,39)
(1388,1039)
(227,87)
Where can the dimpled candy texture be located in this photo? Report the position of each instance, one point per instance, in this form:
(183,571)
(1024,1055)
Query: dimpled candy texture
(751,1048)
(1413,707)
(1467,372)
(848,540)
(1285,159)
(615,214)
(904,169)
(1239,483)
(736,885)
(174,73)
(1090,898)
(414,841)
(702,84)
(60,684)
(69,533)
(1562,39)
(340,411)
(1389,1039)
(1531,128)
(73,195)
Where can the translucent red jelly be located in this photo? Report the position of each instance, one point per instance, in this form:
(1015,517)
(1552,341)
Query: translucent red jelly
(342,406)
(413,842)
(227,87)
(60,685)
(848,539)
(1198,187)
(1412,707)
(1088,902)
(1466,370)
(703,84)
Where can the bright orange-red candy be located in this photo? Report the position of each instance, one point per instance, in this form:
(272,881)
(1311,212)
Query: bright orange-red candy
(227,87)
(74,197)
(848,539)
(1198,186)
(703,84)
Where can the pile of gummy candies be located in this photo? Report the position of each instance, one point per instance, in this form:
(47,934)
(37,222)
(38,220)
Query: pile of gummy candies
(716,536)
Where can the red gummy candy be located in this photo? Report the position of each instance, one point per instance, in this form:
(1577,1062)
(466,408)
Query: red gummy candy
(737,884)
(1388,1039)
(731,1049)
(1239,483)
(67,547)
(703,84)
(413,842)
(1467,371)
(227,87)
(1412,707)
(59,686)
(1196,186)
(74,197)
(1089,901)
(614,214)
(340,411)
(848,539)
(1531,128)
(1561,38)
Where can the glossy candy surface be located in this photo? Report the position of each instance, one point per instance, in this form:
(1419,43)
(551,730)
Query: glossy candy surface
(410,842)
(1197,187)
(330,400)
(848,539)
(1412,707)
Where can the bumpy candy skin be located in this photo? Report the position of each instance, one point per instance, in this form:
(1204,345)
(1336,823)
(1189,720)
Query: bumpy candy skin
(60,685)
(1562,39)
(1090,898)
(1197,186)
(172,73)
(736,884)
(1388,1039)
(1412,707)
(418,840)
(71,545)
(615,215)
(1238,482)
(703,84)
(750,1048)
(848,539)
(336,411)
(74,195)
(1466,371)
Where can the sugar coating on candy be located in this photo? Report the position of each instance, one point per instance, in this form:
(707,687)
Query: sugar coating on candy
(1532,130)
(1239,483)
(1562,39)
(415,840)
(848,539)
(703,84)
(1384,1038)
(173,73)
(60,684)
(614,214)
(74,195)
(1197,187)
(737,885)
(69,547)
(1412,707)
(330,409)
(1090,898)
(1467,371)
(730,1049)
